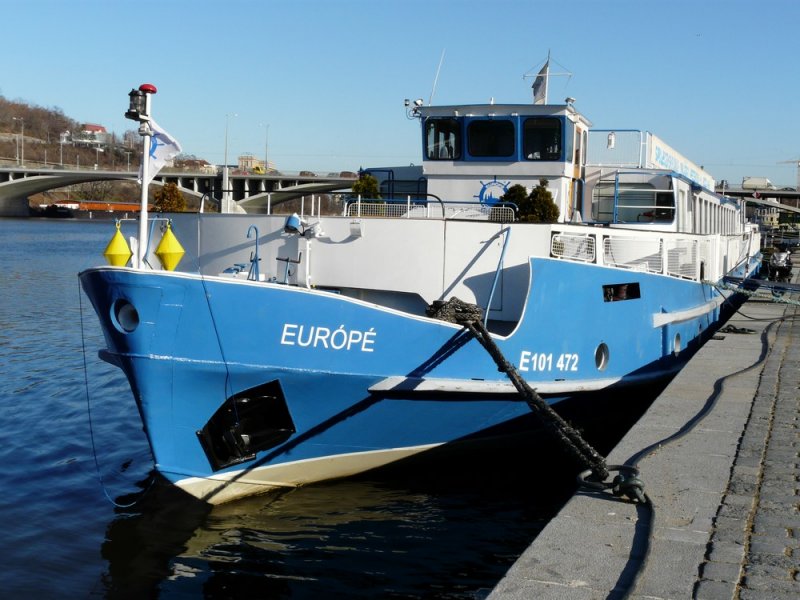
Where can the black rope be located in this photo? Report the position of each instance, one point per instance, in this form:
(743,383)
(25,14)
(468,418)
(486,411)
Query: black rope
(98,472)
(469,315)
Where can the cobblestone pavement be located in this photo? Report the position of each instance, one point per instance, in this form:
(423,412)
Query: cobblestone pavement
(754,550)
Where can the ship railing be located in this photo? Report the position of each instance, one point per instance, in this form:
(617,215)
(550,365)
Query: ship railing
(414,208)
(642,254)
(578,247)
(696,258)
(682,258)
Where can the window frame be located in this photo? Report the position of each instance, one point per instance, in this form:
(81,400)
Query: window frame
(557,156)
(433,149)
(473,122)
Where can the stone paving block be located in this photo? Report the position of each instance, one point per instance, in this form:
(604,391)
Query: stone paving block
(690,536)
(674,574)
(738,500)
(751,460)
(774,571)
(746,471)
(740,486)
(747,594)
(767,545)
(714,590)
(775,531)
(726,551)
(776,518)
(545,590)
(779,561)
(732,511)
(729,535)
(770,584)
(783,470)
(716,571)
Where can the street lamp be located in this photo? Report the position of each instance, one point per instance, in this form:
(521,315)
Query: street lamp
(22,140)
(98,150)
(266,148)
(225,204)
(128,154)
(62,139)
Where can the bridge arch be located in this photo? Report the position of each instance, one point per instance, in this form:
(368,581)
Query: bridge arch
(250,192)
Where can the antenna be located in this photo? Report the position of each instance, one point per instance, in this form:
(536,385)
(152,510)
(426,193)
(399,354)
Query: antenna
(436,79)
(795,162)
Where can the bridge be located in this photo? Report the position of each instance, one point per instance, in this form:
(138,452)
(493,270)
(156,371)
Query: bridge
(246,192)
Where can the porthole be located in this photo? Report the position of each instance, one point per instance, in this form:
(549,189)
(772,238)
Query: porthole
(601,357)
(125,316)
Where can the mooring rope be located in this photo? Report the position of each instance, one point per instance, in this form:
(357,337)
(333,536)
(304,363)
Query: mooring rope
(597,471)
(91,423)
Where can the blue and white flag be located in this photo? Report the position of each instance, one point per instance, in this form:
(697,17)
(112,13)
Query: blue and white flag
(163,147)
(540,84)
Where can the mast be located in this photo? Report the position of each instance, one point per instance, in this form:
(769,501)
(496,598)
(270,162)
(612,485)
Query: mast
(139,110)
(541,80)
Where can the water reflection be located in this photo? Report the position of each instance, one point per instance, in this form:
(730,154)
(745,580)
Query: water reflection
(446,525)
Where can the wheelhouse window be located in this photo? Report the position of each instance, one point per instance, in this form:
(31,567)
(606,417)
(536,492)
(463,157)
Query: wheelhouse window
(541,138)
(491,138)
(443,139)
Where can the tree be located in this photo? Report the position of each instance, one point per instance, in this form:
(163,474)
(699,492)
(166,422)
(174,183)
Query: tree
(367,186)
(516,194)
(169,199)
(97,191)
(539,206)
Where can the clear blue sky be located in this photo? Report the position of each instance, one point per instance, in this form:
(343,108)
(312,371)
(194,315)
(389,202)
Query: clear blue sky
(716,79)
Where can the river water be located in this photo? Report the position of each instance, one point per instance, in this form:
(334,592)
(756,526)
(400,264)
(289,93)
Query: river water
(73,453)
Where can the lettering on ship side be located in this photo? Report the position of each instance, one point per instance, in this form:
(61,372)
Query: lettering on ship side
(546,361)
(317,336)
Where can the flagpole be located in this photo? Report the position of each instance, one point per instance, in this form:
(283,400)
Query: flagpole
(139,110)
(146,133)
(547,76)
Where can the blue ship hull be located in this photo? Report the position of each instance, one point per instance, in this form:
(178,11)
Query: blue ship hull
(245,386)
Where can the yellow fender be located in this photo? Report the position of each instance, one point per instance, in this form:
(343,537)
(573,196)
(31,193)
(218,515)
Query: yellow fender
(117,252)
(169,250)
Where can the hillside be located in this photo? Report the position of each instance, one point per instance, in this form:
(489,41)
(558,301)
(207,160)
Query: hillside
(44,132)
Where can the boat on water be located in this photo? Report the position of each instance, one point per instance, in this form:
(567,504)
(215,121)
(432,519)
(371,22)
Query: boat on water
(290,349)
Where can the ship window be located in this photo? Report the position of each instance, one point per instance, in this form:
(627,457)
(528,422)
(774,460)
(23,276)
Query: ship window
(541,138)
(443,139)
(621,291)
(491,138)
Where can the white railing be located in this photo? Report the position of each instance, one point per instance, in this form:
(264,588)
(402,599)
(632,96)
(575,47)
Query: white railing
(641,254)
(431,210)
(382,209)
(701,258)
(573,247)
(682,258)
